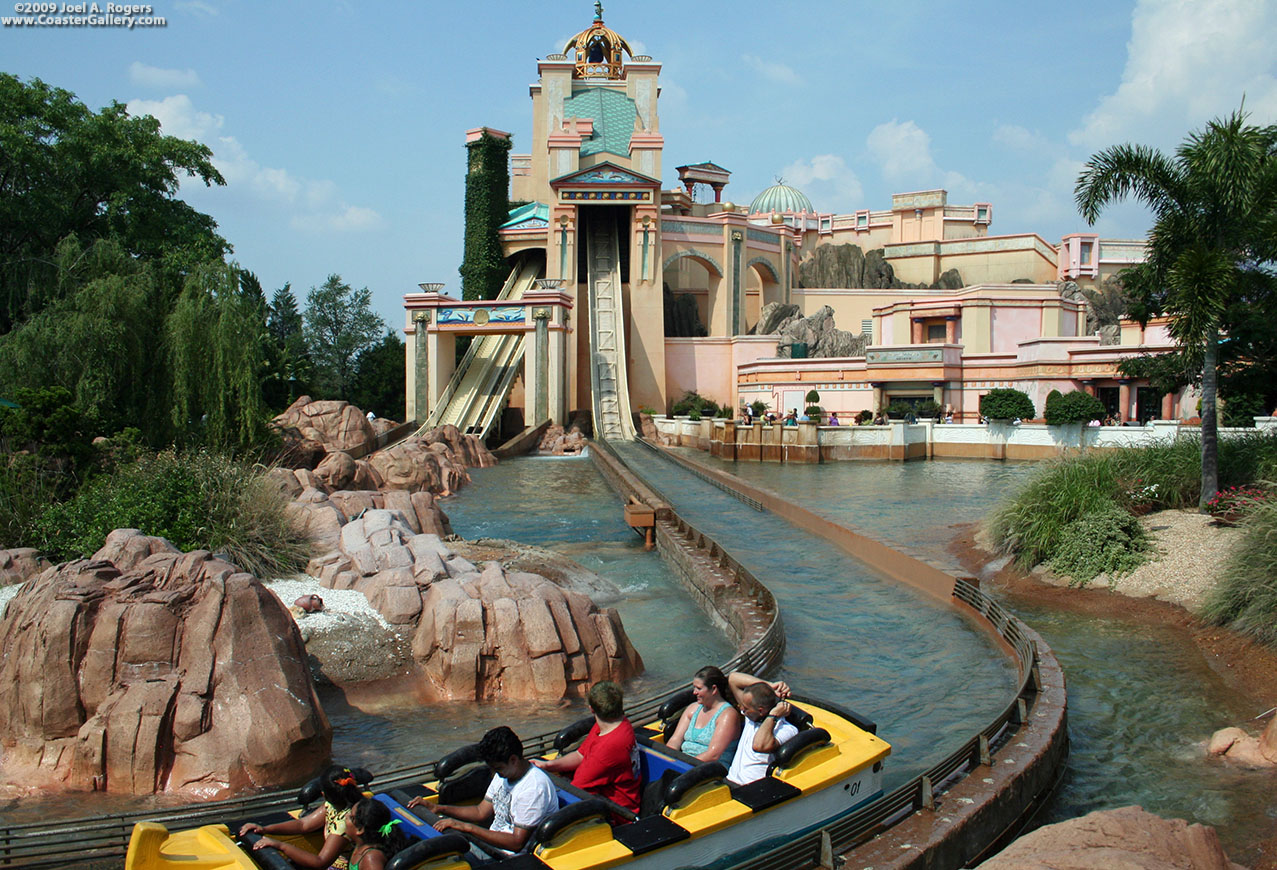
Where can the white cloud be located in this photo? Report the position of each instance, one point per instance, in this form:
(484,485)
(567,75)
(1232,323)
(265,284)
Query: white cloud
(352,218)
(1019,138)
(772,71)
(206,10)
(162,79)
(316,204)
(1188,61)
(827,181)
(179,117)
(903,151)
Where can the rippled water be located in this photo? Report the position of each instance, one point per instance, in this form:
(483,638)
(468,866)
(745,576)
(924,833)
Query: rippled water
(921,670)
(1142,698)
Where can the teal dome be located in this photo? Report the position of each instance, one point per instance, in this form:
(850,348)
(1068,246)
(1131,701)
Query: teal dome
(781,198)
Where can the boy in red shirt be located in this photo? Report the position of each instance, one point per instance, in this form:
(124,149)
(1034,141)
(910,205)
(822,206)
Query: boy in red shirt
(607,763)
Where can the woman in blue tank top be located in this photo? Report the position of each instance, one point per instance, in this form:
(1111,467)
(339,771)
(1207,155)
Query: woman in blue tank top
(710,726)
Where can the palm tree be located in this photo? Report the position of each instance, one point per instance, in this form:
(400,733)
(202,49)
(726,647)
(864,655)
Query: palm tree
(1213,242)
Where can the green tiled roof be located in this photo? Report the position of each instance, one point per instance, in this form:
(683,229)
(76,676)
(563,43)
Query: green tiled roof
(534,210)
(781,198)
(613,114)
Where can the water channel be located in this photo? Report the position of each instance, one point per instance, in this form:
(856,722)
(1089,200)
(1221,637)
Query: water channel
(1142,698)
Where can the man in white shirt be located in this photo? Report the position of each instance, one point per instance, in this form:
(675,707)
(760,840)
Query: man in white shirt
(763,706)
(518,799)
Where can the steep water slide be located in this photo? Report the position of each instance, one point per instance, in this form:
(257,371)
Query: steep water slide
(481,383)
(612,419)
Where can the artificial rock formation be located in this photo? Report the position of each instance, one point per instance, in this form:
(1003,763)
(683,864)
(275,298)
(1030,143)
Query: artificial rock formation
(818,332)
(847,266)
(144,669)
(1236,745)
(1123,839)
(556,442)
(18,564)
(335,425)
(478,633)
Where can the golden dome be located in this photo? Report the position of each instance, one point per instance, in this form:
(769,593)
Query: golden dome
(598,50)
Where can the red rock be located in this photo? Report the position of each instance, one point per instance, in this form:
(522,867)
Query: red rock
(1123,839)
(161,671)
(336,425)
(337,471)
(19,564)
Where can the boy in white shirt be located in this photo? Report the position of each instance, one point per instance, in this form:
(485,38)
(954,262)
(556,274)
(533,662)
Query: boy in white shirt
(518,799)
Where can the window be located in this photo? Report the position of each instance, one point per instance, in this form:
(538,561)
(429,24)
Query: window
(867,327)
(935,333)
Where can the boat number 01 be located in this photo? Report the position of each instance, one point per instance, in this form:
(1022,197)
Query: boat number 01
(853,787)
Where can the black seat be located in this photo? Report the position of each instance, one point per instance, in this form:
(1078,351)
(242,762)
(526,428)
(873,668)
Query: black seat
(421,850)
(593,809)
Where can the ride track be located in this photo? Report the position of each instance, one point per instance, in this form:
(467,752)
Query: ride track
(98,841)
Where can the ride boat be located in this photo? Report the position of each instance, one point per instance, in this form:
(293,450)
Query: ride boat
(692,816)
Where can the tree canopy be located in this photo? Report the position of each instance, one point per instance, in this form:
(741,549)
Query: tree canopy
(67,171)
(339,325)
(1213,242)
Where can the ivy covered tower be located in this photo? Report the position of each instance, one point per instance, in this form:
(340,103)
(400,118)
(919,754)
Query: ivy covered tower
(483,267)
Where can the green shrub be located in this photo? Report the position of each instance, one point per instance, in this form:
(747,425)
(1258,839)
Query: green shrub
(1241,410)
(864,418)
(1246,596)
(1106,539)
(1051,409)
(899,410)
(813,410)
(1073,407)
(927,409)
(195,499)
(694,415)
(1004,403)
(1029,524)
(812,397)
(695,402)
(759,407)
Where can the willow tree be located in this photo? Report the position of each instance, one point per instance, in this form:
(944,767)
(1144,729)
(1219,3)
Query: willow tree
(216,344)
(1212,246)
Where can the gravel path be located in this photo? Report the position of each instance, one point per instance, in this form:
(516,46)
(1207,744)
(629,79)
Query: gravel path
(1191,552)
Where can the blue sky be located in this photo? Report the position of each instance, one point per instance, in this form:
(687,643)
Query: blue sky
(340,126)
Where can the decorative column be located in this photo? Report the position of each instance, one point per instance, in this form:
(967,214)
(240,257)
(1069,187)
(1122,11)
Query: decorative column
(1088,386)
(541,365)
(421,368)
(734,312)
(1168,406)
(915,331)
(951,330)
(1124,400)
(937,392)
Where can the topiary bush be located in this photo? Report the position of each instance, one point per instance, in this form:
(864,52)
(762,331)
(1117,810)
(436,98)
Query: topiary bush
(1106,539)
(695,402)
(759,407)
(1077,406)
(864,418)
(1052,406)
(899,410)
(1004,403)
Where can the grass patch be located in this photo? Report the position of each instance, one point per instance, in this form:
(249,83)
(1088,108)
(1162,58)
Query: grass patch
(195,499)
(1030,523)
(1246,596)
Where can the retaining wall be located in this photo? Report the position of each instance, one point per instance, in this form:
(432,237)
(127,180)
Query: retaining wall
(902,441)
